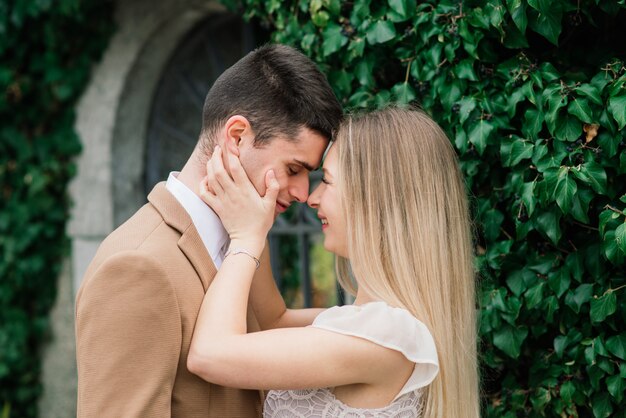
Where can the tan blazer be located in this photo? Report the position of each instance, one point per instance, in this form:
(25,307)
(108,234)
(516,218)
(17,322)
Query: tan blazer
(135,313)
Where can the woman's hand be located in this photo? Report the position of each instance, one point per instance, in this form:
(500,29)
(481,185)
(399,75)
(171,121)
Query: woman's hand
(246,216)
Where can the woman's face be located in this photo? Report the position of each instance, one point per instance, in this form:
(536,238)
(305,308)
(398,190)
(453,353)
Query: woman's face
(325,199)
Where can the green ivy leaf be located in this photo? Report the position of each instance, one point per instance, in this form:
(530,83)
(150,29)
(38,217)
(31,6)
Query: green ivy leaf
(601,405)
(341,81)
(517,280)
(509,339)
(449,93)
(541,398)
(364,72)
(591,92)
(534,295)
(549,223)
(549,72)
(560,344)
(356,47)
(492,220)
(517,8)
(320,19)
(594,174)
(565,190)
(580,205)
(616,345)
(528,197)
(512,152)
(560,281)
(567,128)
(333,6)
(315,6)
(548,22)
(577,298)
(533,120)
(617,107)
(467,105)
(599,348)
(465,70)
(404,9)
(551,305)
(513,38)
(580,108)
(333,39)
(567,390)
(380,32)
(603,306)
(615,385)
(612,251)
(479,134)
(403,92)
(620,237)
(496,11)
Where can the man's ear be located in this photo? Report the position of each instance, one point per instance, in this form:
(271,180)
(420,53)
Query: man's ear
(236,129)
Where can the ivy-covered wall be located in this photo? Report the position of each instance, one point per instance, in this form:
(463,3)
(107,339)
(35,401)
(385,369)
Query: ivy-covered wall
(532,93)
(47,49)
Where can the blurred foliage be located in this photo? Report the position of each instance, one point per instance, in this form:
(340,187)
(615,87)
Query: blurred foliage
(47,49)
(532,93)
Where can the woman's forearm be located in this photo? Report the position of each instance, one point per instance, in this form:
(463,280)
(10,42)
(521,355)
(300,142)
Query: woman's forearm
(268,304)
(223,310)
(298,317)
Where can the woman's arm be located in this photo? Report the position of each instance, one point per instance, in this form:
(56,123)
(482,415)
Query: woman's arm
(268,304)
(222,352)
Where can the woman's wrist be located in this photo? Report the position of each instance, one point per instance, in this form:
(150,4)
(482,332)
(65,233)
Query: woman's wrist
(254,247)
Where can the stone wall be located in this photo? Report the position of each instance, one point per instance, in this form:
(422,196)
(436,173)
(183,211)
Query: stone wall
(111,120)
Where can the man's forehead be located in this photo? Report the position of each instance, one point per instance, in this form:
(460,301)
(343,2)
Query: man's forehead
(309,150)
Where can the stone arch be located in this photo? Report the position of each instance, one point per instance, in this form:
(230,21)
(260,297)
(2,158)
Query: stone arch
(111,119)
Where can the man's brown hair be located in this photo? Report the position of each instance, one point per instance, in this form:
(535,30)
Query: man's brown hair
(279,90)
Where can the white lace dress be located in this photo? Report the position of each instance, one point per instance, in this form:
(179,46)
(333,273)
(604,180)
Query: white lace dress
(393,328)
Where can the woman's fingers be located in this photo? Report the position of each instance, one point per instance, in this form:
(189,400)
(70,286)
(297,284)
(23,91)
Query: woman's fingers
(208,196)
(221,175)
(272,188)
(213,184)
(239,174)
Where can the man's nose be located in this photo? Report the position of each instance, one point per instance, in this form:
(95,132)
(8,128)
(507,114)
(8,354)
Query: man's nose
(300,190)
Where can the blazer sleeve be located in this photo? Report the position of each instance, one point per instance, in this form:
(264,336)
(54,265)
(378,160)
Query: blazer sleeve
(128,339)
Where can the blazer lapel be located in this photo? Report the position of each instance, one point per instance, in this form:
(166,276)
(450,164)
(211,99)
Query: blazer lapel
(192,246)
(190,242)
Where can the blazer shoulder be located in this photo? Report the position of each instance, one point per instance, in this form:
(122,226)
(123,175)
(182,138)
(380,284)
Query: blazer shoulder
(129,271)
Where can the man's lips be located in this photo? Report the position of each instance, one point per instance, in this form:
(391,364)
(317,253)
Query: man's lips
(281,207)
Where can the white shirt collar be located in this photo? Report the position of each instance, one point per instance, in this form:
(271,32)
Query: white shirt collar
(207,223)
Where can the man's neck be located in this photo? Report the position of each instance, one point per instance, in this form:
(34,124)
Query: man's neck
(192,173)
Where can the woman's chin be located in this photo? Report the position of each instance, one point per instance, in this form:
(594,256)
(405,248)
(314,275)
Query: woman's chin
(328,246)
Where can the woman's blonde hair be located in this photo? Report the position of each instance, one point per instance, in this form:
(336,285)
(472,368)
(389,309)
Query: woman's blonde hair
(409,239)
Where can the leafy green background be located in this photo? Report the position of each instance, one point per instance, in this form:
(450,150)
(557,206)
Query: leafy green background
(532,93)
(519,85)
(47,50)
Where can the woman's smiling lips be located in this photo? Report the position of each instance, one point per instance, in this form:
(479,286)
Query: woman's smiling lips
(324,222)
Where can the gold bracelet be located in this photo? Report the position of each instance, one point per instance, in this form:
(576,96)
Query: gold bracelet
(235,251)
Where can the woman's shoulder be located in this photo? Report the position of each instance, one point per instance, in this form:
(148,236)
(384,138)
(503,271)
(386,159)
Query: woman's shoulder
(391,327)
(386,325)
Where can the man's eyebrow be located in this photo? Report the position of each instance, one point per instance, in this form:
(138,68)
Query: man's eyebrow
(305,164)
